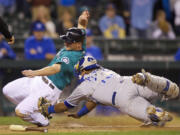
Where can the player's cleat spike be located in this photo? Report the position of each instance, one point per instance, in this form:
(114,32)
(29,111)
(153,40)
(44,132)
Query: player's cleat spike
(158,116)
(43,105)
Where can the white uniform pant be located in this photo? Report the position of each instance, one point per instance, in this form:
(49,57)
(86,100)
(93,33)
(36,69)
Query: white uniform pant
(133,99)
(25,92)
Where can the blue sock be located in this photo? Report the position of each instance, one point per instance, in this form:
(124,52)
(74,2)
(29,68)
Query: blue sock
(51,109)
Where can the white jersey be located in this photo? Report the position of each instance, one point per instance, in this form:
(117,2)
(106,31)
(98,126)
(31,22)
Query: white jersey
(100,86)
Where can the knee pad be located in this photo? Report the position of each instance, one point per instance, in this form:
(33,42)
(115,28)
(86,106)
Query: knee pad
(173,91)
(161,85)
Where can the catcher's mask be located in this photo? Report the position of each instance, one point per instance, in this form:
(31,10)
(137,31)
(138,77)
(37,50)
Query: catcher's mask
(86,63)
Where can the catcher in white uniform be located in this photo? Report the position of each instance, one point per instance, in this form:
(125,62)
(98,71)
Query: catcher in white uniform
(130,94)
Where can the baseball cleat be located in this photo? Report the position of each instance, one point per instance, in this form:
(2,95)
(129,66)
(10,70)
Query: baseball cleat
(158,116)
(43,105)
(140,78)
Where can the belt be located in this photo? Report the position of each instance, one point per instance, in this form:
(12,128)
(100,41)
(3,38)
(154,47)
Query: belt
(46,81)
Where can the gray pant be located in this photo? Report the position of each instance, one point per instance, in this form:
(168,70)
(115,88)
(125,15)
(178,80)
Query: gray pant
(133,99)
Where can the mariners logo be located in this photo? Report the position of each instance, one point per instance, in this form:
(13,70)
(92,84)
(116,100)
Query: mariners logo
(65,60)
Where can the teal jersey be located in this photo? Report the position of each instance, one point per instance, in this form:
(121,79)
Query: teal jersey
(67,59)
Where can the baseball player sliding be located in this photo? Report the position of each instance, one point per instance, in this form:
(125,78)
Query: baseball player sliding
(130,94)
(49,81)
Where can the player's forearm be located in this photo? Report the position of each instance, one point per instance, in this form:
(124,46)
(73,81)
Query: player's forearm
(57,108)
(43,72)
(50,70)
(60,107)
(86,109)
(82,26)
(83,20)
(82,23)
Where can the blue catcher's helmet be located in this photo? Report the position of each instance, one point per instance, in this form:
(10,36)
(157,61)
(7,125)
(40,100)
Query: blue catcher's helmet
(86,63)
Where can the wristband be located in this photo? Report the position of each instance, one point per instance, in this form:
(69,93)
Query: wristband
(84,110)
(51,109)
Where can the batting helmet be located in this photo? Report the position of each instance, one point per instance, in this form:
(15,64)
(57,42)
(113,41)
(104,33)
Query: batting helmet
(73,35)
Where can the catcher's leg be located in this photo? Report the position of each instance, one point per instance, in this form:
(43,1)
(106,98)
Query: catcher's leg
(28,111)
(157,84)
(141,109)
(146,93)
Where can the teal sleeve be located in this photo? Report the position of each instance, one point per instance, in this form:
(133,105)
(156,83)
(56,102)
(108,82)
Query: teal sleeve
(64,61)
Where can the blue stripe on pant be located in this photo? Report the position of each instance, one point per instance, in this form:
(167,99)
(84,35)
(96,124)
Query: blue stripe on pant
(113,98)
(167,86)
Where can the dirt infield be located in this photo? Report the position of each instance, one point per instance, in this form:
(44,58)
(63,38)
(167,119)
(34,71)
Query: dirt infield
(81,128)
(95,124)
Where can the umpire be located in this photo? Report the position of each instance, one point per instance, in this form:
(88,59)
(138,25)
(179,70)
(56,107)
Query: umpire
(4,30)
